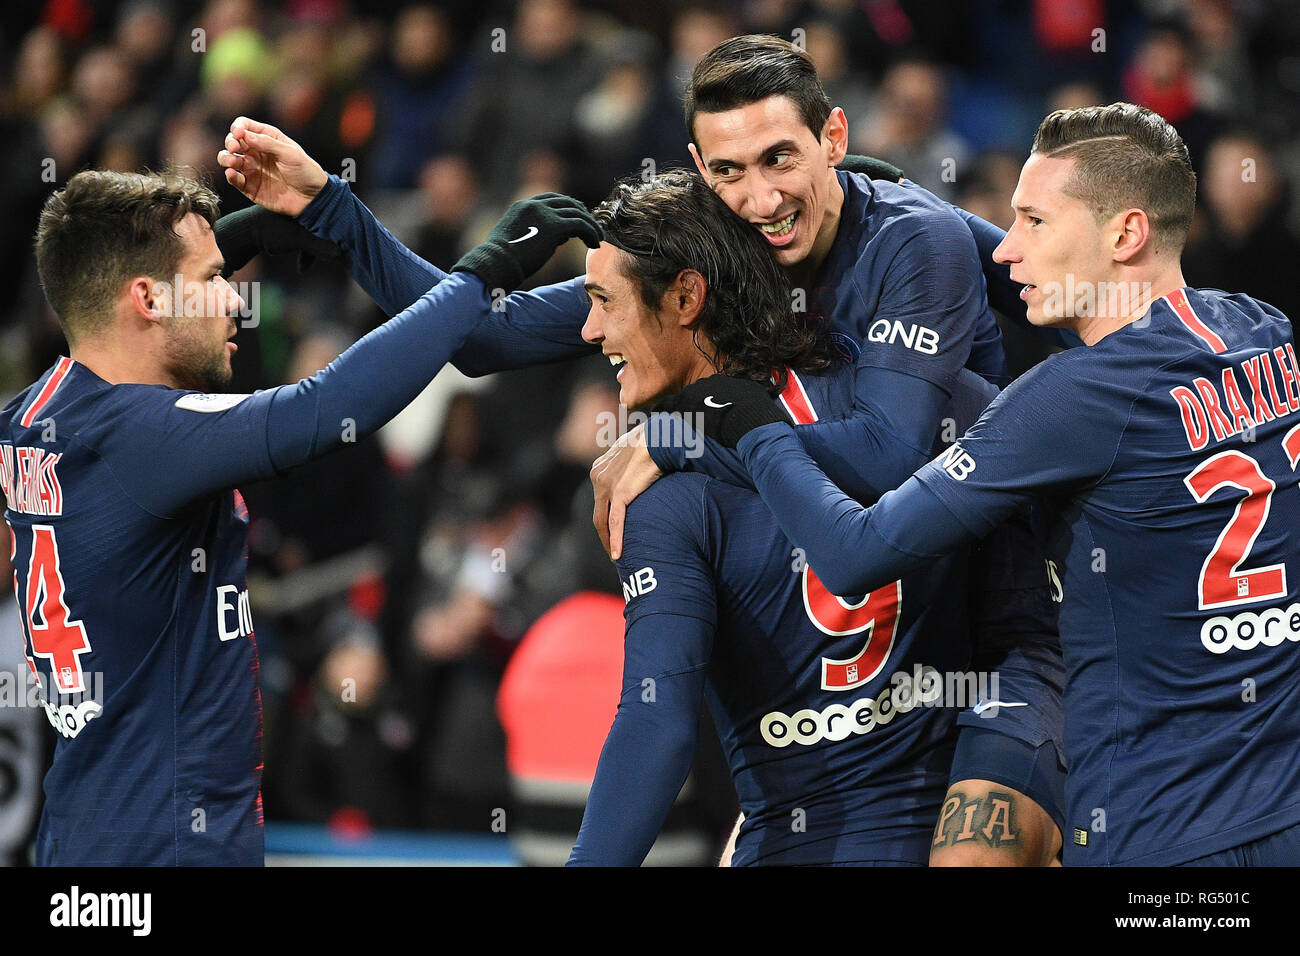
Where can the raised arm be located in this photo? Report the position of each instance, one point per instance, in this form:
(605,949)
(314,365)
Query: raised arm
(249,437)
(517,330)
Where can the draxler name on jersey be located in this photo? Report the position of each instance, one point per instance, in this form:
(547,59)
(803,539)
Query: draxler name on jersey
(1220,410)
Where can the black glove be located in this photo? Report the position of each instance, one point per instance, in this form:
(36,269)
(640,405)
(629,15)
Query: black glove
(729,407)
(874,168)
(242,235)
(526,237)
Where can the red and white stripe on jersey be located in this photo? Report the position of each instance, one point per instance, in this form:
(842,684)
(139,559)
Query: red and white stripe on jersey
(52,384)
(1183,309)
(794,397)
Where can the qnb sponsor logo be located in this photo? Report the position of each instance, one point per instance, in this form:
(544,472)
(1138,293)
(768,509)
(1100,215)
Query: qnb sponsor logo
(1249,629)
(234,612)
(918,338)
(641,582)
(1084,299)
(839,721)
(957,462)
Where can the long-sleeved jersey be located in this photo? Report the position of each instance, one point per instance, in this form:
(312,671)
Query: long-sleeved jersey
(837,715)
(129,553)
(1167,454)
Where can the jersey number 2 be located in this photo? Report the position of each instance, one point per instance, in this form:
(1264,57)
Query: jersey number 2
(1223,582)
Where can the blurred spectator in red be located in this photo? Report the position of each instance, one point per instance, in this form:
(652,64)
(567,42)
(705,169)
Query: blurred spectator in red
(556,703)
(1160,77)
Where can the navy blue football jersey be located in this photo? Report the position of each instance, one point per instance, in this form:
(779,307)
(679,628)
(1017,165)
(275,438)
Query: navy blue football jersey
(137,618)
(1169,450)
(129,552)
(903,278)
(1166,455)
(835,713)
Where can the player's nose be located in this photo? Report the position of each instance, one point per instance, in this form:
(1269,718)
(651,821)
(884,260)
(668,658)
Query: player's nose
(592,330)
(1008,250)
(764,197)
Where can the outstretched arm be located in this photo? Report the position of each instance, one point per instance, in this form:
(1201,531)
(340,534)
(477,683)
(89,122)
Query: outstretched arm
(521,329)
(230,439)
(1055,427)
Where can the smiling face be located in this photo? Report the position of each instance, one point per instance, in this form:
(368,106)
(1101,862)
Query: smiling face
(655,351)
(770,169)
(1055,244)
(197,332)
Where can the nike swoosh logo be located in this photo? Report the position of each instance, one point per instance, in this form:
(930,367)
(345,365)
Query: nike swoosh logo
(532,231)
(985,705)
(708,400)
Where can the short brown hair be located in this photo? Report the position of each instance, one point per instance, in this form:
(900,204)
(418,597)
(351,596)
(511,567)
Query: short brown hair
(104,228)
(747,69)
(1128,157)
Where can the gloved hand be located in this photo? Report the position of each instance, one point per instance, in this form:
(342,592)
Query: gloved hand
(729,407)
(243,234)
(526,237)
(874,168)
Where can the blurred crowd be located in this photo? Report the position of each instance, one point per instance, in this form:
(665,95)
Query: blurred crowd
(393,580)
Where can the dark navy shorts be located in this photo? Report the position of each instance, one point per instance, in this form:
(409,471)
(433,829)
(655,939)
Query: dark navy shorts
(1037,772)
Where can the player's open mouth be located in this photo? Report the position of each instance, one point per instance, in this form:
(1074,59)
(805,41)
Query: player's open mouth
(777,233)
(616,358)
(1024,293)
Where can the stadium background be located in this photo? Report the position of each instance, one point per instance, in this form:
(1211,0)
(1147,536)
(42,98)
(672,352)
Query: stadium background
(393,581)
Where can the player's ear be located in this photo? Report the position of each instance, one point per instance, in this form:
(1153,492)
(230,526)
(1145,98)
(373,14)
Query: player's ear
(150,298)
(688,291)
(836,134)
(1129,234)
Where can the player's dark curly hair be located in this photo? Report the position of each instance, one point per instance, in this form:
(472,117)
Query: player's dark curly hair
(674,222)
